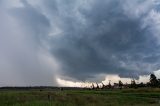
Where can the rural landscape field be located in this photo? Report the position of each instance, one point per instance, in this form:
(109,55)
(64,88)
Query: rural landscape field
(79,52)
(126,97)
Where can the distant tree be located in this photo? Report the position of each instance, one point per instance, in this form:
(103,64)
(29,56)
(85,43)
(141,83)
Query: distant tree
(141,84)
(133,84)
(148,84)
(120,84)
(92,87)
(103,86)
(109,85)
(153,81)
(158,82)
(97,86)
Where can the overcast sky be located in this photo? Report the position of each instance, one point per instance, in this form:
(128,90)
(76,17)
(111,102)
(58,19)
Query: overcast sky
(78,40)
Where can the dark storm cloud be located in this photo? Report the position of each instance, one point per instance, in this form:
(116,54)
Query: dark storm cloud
(109,42)
(78,39)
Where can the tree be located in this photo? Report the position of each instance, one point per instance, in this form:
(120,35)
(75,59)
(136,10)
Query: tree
(92,87)
(120,84)
(141,84)
(153,81)
(133,84)
(103,86)
(97,85)
(109,85)
(158,82)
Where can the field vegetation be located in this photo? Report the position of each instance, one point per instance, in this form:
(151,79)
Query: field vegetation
(115,97)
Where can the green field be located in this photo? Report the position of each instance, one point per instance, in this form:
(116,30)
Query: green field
(124,97)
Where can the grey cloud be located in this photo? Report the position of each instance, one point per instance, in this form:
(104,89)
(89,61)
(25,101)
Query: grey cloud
(86,38)
(22,48)
(108,38)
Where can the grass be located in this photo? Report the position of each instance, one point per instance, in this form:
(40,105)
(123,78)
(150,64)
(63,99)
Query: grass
(125,97)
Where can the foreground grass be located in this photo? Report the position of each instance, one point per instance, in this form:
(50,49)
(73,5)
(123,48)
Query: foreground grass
(127,97)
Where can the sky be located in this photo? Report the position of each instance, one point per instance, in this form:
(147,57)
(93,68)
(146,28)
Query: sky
(61,42)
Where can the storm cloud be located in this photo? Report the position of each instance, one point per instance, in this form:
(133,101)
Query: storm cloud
(107,37)
(80,39)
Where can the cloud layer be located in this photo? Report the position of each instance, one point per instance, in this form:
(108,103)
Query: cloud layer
(108,37)
(44,39)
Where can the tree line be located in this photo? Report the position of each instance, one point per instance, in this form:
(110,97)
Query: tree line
(153,82)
